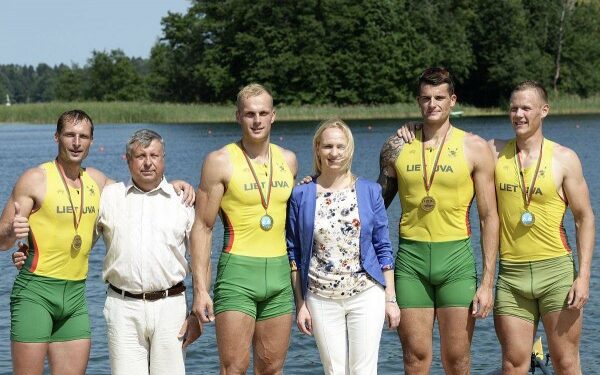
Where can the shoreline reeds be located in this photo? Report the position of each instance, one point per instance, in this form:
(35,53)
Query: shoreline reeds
(146,112)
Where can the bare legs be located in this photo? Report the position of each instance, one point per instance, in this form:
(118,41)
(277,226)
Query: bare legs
(65,358)
(456,330)
(270,338)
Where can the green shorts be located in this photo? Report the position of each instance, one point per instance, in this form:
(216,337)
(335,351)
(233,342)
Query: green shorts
(528,290)
(44,309)
(435,274)
(257,286)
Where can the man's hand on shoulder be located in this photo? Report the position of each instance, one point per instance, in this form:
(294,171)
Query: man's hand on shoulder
(407,131)
(186,191)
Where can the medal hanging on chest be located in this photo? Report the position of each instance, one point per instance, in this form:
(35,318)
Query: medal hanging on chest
(77,240)
(428,202)
(266,220)
(527,217)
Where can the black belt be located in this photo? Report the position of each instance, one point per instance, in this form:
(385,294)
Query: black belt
(152,296)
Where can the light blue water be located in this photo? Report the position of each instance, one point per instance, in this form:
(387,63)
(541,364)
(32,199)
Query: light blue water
(23,146)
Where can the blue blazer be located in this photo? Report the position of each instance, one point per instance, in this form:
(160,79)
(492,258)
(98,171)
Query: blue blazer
(375,247)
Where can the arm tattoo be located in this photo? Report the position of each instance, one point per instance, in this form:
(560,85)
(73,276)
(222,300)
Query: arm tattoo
(389,153)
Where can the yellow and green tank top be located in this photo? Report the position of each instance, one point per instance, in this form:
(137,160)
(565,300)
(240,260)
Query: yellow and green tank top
(452,190)
(546,238)
(241,207)
(52,228)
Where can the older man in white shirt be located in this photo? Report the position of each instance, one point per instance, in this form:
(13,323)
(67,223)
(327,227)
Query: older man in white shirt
(146,229)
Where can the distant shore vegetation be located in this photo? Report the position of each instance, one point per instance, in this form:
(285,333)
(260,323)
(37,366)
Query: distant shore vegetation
(322,57)
(147,112)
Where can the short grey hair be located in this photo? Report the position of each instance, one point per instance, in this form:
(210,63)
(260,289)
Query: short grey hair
(144,138)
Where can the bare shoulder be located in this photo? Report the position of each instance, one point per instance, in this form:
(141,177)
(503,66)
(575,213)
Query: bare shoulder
(566,158)
(475,143)
(476,146)
(217,166)
(31,186)
(290,158)
(99,177)
(478,154)
(218,157)
(496,145)
(32,179)
(390,150)
(32,175)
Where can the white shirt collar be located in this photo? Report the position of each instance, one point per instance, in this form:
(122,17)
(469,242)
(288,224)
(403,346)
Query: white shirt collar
(164,187)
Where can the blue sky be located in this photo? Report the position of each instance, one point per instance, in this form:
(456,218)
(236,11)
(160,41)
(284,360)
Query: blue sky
(67,31)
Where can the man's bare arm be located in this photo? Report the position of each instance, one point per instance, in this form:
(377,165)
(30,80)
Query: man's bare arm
(28,191)
(387,170)
(480,155)
(577,194)
(208,201)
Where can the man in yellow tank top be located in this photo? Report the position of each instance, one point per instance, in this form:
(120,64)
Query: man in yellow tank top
(248,184)
(535,180)
(437,177)
(55,206)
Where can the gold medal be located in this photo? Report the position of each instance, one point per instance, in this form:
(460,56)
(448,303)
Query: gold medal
(76,244)
(77,241)
(428,204)
(266,221)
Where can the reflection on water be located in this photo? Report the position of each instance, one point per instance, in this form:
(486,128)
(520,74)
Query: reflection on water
(23,146)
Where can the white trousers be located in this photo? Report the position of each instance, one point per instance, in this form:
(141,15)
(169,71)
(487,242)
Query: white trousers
(142,335)
(348,331)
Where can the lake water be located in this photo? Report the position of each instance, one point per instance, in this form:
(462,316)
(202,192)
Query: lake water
(23,146)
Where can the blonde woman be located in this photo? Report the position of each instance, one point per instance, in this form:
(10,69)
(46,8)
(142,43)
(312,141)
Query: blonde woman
(341,256)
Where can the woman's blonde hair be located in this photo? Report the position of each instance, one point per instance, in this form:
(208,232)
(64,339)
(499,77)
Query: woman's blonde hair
(349,152)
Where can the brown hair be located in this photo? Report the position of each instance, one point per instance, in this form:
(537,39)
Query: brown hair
(75,116)
(436,76)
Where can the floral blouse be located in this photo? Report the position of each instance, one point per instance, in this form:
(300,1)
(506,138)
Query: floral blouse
(335,270)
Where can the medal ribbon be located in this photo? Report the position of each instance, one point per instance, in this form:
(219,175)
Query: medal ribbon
(435,163)
(263,201)
(527,194)
(76,220)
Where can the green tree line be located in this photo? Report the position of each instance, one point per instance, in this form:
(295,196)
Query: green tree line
(338,52)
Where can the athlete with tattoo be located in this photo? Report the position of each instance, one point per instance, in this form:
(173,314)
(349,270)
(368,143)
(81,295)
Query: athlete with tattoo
(436,177)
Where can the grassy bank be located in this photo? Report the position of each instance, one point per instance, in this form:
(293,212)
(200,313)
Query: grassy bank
(124,112)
